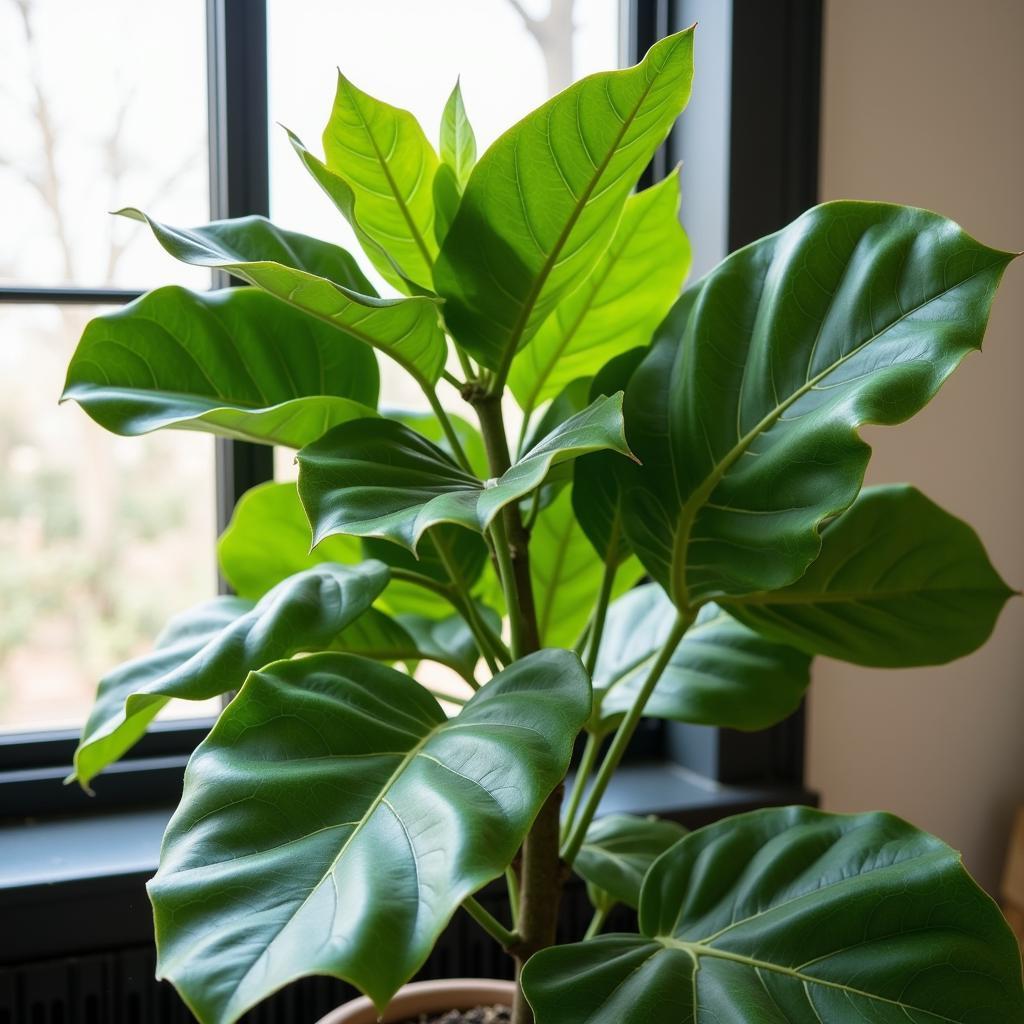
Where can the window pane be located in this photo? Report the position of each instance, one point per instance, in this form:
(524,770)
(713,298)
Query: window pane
(102,538)
(409,53)
(103,106)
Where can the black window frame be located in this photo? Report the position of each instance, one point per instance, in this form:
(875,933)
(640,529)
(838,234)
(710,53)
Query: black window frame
(769,138)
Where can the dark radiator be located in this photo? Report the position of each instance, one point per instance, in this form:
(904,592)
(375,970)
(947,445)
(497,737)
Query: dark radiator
(117,986)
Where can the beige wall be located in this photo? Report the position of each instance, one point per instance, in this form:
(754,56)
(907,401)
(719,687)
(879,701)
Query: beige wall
(924,104)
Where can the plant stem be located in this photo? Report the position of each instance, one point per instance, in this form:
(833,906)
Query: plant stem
(490,924)
(467,366)
(512,881)
(541,894)
(600,613)
(453,380)
(508,584)
(623,735)
(587,762)
(451,698)
(597,922)
(449,431)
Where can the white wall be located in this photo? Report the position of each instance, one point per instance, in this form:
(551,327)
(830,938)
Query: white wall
(924,104)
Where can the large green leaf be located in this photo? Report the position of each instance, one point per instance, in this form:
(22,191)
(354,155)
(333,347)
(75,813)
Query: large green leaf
(899,582)
(617,852)
(618,307)
(209,650)
(235,362)
(382,154)
(335,819)
(793,916)
(377,478)
(543,203)
(252,249)
(722,673)
(745,413)
(566,573)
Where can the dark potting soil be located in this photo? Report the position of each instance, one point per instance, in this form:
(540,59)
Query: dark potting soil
(481,1015)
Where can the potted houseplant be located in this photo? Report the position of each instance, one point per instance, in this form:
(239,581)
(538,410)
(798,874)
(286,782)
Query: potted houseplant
(337,817)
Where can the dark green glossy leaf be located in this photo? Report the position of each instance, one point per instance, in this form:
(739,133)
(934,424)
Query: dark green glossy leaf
(427,424)
(567,574)
(899,582)
(209,651)
(619,305)
(235,362)
(377,478)
(745,413)
(617,852)
(793,916)
(335,819)
(573,398)
(722,673)
(415,638)
(268,540)
(597,488)
(383,156)
(458,141)
(544,201)
(406,329)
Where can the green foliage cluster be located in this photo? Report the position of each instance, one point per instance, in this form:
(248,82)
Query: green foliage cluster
(336,817)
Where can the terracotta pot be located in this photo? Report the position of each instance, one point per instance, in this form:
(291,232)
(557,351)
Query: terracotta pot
(427,997)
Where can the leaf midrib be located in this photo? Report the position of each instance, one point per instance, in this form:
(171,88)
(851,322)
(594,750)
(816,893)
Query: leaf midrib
(696,950)
(768,598)
(691,507)
(512,346)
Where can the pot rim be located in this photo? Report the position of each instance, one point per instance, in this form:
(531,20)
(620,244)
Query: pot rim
(426,997)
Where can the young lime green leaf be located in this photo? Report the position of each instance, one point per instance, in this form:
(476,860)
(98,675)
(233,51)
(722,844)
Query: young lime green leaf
(745,413)
(596,490)
(406,329)
(618,307)
(458,141)
(340,192)
(372,818)
(566,573)
(236,363)
(378,478)
(268,540)
(792,915)
(544,201)
(899,582)
(617,853)
(722,673)
(209,651)
(382,154)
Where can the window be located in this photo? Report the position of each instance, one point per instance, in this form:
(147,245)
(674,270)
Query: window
(88,521)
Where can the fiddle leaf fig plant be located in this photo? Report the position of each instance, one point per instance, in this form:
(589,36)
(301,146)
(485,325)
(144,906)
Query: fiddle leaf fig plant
(346,804)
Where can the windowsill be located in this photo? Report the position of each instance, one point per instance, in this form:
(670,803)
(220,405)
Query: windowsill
(76,884)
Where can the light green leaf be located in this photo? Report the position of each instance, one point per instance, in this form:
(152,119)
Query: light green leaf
(382,154)
(722,673)
(544,201)
(446,201)
(335,819)
(618,307)
(252,249)
(458,142)
(899,582)
(269,538)
(209,650)
(597,490)
(566,573)
(342,195)
(377,478)
(745,413)
(793,916)
(236,363)
(617,852)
